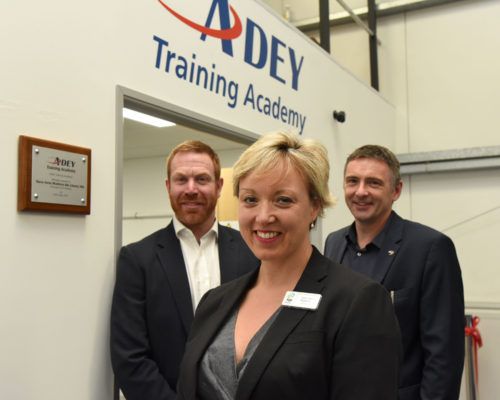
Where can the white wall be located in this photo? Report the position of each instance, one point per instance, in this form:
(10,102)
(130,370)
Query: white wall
(61,64)
(56,270)
(452,85)
(144,196)
(450,202)
(438,67)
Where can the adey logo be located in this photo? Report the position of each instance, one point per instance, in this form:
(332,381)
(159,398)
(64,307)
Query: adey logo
(61,162)
(227,33)
(260,49)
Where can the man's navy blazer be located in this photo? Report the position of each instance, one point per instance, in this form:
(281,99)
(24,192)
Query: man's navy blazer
(347,349)
(419,266)
(152,309)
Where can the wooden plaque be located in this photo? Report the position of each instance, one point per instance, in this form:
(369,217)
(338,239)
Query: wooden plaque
(53,177)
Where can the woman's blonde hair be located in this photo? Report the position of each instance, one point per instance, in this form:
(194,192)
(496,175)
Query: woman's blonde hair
(307,156)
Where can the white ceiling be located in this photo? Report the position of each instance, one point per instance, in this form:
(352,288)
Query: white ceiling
(144,141)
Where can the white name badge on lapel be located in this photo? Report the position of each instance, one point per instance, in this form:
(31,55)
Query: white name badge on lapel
(307,301)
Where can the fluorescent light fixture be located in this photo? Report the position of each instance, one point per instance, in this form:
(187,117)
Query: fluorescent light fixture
(146,119)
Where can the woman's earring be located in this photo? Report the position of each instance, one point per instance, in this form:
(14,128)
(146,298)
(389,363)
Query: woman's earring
(312,225)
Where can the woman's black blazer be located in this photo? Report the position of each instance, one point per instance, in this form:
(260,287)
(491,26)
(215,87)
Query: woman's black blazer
(349,348)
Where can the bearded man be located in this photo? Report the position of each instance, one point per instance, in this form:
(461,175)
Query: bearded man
(161,278)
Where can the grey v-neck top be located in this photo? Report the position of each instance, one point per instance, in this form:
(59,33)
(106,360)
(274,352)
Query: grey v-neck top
(218,373)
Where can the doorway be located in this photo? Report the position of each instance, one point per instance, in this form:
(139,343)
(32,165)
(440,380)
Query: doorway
(144,147)
(142,205)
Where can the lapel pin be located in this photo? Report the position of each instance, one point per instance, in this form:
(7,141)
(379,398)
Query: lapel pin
(391,252)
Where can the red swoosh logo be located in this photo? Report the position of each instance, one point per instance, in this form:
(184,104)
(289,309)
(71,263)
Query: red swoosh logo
(226,34)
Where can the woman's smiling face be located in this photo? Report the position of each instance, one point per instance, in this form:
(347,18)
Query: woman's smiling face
(275,213)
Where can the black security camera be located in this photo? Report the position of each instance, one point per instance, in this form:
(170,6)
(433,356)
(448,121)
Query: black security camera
(339,116)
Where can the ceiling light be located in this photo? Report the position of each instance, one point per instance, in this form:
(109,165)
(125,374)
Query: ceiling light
(146,119)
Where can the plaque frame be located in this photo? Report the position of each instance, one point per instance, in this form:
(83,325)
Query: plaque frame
(25,173)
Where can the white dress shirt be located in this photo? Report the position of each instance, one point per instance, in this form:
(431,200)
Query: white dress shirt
(201,259)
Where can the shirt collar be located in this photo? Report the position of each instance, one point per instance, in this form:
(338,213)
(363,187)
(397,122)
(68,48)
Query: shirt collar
(181,229)
(378,241)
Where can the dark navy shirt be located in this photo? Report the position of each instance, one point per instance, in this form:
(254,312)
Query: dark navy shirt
(364,260)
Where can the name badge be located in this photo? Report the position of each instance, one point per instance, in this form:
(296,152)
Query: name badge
(307,301)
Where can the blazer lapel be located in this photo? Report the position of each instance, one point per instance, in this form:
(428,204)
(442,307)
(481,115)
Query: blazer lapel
(389,249)
(172,261)
(336,244)
(286,321)
(228,255)
(226,306)
(340,248)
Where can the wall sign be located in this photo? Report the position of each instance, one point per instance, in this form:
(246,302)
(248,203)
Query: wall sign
(245,44)
(53,177)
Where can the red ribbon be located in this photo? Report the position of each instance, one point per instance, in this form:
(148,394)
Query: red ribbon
(477,342)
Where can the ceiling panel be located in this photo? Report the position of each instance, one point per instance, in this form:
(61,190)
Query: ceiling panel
(143,141)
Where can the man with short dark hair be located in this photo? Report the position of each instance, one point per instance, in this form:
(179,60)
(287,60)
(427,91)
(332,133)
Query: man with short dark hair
(161,278)
(416,264)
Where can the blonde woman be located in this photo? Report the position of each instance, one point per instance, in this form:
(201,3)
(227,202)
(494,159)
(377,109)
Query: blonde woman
(300,327)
